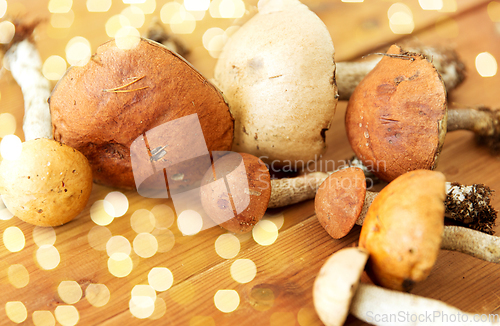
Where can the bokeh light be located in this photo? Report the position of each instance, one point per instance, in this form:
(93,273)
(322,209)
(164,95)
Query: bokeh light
(278,219)
(189,222)
(282,318)
(196,5)
(99,212)
(3,8)
(98,237)
(165,238)
(168,11)
(44,235)
(307,316)
(54,67)
(43,318)
(48,257)
(400,18)
(118,244)
(70,292)
(119,202)
(486,64)
(115,23)
(147,7)
(164,216)
(142,302)
(11,147)
(231,8)
(265,233)
(16,311)
(18,275)
(431,4)
(67,315)
(145,245)
(182,22)
(494,11)
(78,51)
(142,220)
(64,20)
(120,265)
(159,310)
(449,6)
(7,31)
(226,300)
(97,295)
(243,270)
(8,124)
(134,15)
(227,246)
(98,5)
(60,6)
(13,239)
(160,278)
(127,38)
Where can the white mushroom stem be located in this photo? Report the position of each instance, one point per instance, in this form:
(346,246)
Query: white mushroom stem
(25,65)
(379,306)
(471,242)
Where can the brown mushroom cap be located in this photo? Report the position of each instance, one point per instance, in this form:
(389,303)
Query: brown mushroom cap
(102,107)
(48,185)
(339,201)
(240,207)
(396,117)
(403,229)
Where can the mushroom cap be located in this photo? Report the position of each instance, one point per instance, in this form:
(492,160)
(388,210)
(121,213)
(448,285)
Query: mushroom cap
(279,79)
(403,229)
(240,207)
(48,185)
(396,117)
(337,283)
(103,106)
(339,201)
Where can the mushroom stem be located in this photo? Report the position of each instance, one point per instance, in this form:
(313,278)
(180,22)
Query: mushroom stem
(288,191)
(379,306)
(471,242)
(25,65)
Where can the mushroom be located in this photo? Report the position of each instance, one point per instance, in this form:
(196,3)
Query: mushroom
(49,183)
(338,292)
(403,226)
(279,66)
(126,89)
(397,117)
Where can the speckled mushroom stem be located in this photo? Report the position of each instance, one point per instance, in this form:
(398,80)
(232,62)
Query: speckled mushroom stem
(25,65)
(472,242)
(446,61)
(483,121)
(370,303)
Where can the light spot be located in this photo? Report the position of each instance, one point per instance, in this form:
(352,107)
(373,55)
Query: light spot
(142,303)
(18,276)
(182,22)
(127,38)
(43,318)
(210,34)
(196,5)
(227,246)
(147,7)
(133,1)
(142,220)
(202,321)
(98,237)
(243,270)
(54,67)
(494,11)
(261,298)
(97,295)
(160,309)
(63,20)
(8,124)
(44,235)
(3,8)
(60,6)
(282,318)
(307,316)
(11,147)
(160,278)
(231,8)
(189,222)
(145,245)
(168,11)
(401,23)
(48,257)
(134,15)
(431,4)
(99,212)
(16,311)
(69,291)
(78,51)
(13,239)
(216,45)
(227,300)
(164,216)
(165,239)
(243,237)
(119,202)
(143,290)
(352,0)
(486,65)
(449,6)
(120,265)
(277,219)
(98,5)
(115,23)
(67,315)
(265,233)
(118,244)
(183,293)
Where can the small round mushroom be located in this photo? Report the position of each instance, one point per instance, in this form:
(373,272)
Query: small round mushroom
(397,117)
(121,93)
(338,292)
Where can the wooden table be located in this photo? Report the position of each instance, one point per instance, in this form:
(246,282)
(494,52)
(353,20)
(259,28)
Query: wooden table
(281,291)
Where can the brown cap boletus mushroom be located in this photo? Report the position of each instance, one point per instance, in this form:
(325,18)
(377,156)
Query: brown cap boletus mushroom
(102,107)
(403,229)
